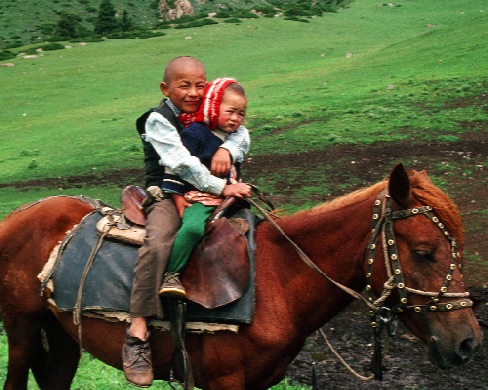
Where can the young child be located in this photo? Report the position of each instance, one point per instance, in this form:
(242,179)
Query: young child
(183,85)
(221,113)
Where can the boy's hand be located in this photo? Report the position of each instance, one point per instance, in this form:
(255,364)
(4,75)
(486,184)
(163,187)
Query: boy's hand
(221,163)
(180,203)
(239,190)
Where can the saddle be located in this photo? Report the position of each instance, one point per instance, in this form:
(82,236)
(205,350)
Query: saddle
(218,271)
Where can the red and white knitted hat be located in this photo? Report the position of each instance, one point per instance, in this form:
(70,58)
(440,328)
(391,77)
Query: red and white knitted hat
(208,112)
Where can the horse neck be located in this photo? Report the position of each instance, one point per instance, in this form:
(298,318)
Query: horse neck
(334,236)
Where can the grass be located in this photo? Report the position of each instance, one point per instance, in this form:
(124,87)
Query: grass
(369,73)
(81,102)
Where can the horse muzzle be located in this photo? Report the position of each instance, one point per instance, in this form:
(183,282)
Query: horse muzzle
(447,355)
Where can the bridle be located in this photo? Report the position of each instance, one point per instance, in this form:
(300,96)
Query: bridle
(382,316)
(383,220)
(386,317)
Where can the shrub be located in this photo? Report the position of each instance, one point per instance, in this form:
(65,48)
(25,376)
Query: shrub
(33,164)
(223,14)
(52,46)
(136,34)
(297,19)
(47,28)
(209,22)
(32,50)
(265,9)
(6,55)
(244,14)
(232,20)
(197,23)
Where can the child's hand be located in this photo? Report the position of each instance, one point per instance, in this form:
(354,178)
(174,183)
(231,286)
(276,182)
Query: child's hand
(239,190)
(180,203)
(221,163)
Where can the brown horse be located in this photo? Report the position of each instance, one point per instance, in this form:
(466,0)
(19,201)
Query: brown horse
(419,278)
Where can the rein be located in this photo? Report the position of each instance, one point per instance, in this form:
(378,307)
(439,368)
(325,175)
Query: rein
(381,316)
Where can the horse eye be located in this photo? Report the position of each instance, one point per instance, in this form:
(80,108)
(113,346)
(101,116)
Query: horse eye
(424,255)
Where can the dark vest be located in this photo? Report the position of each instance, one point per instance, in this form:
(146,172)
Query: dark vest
(154,172)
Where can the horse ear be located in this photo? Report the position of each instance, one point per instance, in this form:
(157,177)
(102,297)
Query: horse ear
(399,185)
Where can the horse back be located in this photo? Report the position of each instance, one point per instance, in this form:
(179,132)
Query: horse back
(27,237)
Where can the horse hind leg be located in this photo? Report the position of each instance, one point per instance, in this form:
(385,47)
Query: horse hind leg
(43,347)
(24,348)
(62,358)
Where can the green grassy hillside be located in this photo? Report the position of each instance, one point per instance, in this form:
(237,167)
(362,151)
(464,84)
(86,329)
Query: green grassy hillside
(357,76)
(23,22)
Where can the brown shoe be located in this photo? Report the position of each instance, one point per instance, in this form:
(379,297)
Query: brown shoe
(172,287)
(136,357)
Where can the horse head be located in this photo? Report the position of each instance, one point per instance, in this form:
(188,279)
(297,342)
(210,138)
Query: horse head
(414,268)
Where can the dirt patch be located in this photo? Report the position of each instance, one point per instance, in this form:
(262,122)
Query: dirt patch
(405,357)
(463,168)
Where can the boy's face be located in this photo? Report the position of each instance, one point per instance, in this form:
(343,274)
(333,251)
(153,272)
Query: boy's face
(232,111)
(185,86)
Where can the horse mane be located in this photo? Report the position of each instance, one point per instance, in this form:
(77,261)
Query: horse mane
(443,207)
(422,189)
(342,201)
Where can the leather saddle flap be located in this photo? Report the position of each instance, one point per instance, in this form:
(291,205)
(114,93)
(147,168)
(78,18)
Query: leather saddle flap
(132,199)
(218,271)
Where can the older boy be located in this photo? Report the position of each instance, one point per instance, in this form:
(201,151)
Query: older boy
(183,85)
(220,115)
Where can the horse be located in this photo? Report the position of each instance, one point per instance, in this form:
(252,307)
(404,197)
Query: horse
(399,242)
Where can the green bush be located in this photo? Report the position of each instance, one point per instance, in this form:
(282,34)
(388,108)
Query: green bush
(297,19)
(47,28)
(209,22)
(187,19)
(197,23)
(265,9)
(194,23)
(232,20)
(223,14)
(32,50)
(6,55)
(52,46)
(244,14)
(136,34)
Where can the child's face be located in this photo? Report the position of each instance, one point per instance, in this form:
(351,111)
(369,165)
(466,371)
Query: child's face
(185,87)
(232,111)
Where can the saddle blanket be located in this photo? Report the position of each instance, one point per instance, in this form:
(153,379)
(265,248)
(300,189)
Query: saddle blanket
(107,283)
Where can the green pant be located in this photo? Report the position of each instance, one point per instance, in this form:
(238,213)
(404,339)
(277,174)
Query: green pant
(189,235)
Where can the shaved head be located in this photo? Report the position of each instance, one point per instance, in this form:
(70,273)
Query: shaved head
(184,83)
(184,64)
